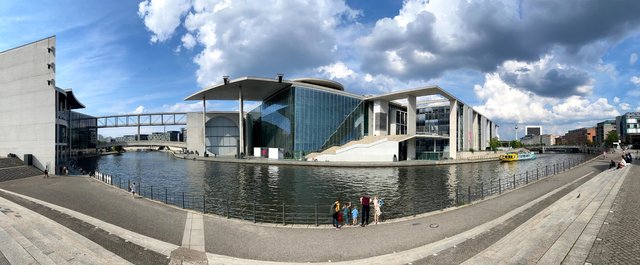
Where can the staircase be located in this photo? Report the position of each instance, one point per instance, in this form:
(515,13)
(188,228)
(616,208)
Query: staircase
(364,141)
(13,168)
(28,238)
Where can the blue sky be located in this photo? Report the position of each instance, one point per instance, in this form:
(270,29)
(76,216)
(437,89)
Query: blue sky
(559,64)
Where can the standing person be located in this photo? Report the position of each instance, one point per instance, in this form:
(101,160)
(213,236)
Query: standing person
(604,154)
(364,201)
(354,216)
(46,173)
(133,190)
(346,212)
(376,209)
(335,209)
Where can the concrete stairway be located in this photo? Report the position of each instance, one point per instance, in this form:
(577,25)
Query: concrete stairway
(28,238)
(10,162)
(365,140)
(13,168)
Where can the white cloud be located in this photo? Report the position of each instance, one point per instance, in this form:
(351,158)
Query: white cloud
(162,17)
(635,80)
(246,38)
(507,104)
(616,100)
(633,58)
(188,41)
(625,106)
(183,107)
(337,70)
(139,110)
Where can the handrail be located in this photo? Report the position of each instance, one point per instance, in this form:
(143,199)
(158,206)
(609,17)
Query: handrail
(314,214)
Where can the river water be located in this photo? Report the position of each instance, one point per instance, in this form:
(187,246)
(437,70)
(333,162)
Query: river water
(405,189)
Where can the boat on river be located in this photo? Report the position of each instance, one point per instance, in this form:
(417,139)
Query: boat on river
(517,156)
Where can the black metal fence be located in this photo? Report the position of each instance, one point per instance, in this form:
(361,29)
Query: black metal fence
(313,214)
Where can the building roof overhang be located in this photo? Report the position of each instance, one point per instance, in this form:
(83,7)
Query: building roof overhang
(73,102)
(253,89)
(417,92)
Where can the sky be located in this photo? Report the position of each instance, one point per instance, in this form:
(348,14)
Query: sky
(559,64)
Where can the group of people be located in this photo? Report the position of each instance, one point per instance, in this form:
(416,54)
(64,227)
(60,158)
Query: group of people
(347,214)
(625,159)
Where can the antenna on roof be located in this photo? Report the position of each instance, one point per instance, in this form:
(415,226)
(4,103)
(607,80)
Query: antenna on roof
(280,78)
(225,79)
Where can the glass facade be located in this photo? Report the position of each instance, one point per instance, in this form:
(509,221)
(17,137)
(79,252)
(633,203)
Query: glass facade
(431,149)
(222,136)
(302,120)
(84,134)
(433,120)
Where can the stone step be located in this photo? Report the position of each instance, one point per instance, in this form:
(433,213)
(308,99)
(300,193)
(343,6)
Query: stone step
(19,172)
(29,238)
(10,162)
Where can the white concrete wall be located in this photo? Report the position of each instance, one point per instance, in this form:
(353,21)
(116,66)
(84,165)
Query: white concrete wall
(28,103)
(195,128)
(380,106)
(380,151)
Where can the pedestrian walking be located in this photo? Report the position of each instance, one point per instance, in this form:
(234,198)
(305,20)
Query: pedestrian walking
(46,173)
(335,210)
(364,202)
(132,188)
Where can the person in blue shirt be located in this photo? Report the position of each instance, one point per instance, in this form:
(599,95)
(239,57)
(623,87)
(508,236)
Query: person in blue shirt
(354,215)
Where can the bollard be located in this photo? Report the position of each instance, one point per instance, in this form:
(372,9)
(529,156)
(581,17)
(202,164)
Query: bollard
(317,215)
(456,198)
(204,204)
(183,200)
(482,190)
(499,187)
(128,184)
(283,215)
(527,177)
(469,194)
(537,176)
(254,210)
(152,192)
(546,169)
(166,197)
(514,181)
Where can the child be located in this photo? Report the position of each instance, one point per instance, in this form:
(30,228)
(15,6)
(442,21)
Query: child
(345,213)
(354,215)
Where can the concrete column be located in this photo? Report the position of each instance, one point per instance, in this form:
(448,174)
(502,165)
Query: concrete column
(475,141)
(241,120)
(204,126)
(411,149)
(453,128)
(411,115)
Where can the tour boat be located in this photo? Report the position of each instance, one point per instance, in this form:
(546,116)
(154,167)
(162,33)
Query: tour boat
(516,156)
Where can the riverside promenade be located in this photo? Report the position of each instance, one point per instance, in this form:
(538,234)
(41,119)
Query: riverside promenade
(542,221)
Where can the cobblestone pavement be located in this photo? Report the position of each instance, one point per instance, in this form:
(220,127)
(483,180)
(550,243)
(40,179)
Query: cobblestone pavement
(619,239)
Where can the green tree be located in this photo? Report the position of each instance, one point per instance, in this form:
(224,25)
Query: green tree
(612,137)
(494,143)
(515,144)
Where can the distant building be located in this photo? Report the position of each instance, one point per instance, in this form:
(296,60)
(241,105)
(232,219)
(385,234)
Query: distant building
(580,136)
(533,130)
(629,129)
(546,140)
(602,129)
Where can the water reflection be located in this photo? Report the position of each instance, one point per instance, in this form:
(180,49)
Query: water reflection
(405,189)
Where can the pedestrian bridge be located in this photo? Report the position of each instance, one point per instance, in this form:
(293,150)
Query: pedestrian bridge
(151,143)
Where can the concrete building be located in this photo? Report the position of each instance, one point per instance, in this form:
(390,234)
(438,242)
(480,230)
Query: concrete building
(36,115)
(316,119)
(582,136)
(545,139)
(533,130)
(602,129)
(629,129)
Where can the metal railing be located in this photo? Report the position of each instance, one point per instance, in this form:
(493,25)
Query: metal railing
(314,214)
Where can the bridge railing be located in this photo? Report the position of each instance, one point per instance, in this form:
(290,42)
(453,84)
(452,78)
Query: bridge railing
(315,214)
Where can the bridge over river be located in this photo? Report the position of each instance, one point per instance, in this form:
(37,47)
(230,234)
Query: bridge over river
(150,143)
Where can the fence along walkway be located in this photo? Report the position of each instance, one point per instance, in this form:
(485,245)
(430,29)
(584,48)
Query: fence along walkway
(316,214)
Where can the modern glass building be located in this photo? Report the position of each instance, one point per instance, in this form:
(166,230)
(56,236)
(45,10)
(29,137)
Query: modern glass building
(304,118)
(301,119)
